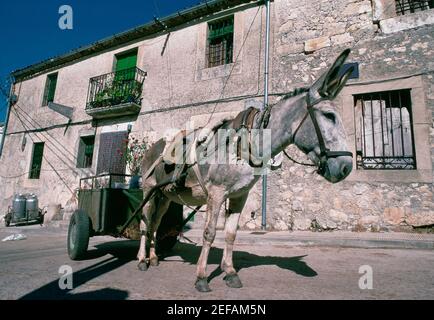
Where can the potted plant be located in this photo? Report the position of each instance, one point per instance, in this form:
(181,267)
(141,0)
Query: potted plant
(134,153)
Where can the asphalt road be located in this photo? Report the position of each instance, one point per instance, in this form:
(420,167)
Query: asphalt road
(30,270)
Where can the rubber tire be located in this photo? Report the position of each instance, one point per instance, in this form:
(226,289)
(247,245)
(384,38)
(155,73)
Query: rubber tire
(77,243)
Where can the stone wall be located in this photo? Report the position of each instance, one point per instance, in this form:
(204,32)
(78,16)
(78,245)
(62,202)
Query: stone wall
(306,36)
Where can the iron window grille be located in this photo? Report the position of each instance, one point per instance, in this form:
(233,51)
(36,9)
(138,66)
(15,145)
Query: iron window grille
(50,89)
(85,152)
(384,130)
(38,153)
(411,6)
(220,42)
(116,88)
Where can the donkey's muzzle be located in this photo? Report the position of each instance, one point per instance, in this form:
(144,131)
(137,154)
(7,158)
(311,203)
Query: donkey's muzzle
(335,165)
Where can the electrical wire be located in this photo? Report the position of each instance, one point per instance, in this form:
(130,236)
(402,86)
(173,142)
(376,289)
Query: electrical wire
(39,125)
(233,66)
(45,158)
(62,156)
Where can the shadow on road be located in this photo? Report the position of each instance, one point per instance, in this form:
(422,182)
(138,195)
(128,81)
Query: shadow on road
(122,252)
(242,260)
(51,291)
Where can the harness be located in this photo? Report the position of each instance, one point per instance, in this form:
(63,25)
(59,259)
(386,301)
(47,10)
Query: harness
(325,153)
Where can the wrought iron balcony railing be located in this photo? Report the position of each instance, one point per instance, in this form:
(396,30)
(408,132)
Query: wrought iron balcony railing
(114,89)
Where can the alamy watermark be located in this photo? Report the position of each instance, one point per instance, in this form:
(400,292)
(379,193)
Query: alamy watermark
(224,146)
(66,20)
(366,281)
(66,278)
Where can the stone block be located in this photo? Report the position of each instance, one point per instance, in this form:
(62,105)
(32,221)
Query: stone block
(289,49)
(337,216)
(341,38)
(325,223)
(369,220)
(420,219)
(301,224)
(406,22)
(313,45)
(394,215)
(383,9)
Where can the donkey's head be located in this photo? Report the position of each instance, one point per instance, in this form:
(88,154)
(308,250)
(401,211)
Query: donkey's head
(321,134)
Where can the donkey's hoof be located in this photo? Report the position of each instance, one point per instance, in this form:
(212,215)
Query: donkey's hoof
(154,262)
(233,281)
(202,285)
(143,266)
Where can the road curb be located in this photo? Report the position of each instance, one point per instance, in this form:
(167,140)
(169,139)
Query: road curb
(284,239)
(319,241)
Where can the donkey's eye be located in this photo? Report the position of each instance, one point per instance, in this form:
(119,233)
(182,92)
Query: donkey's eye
(330,116)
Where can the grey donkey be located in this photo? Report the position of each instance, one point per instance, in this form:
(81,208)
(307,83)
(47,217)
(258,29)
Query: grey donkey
(309,120)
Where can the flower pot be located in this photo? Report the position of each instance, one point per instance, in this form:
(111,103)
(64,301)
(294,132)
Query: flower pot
(135,182)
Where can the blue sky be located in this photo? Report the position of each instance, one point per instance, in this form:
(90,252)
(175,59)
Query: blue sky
(30,32)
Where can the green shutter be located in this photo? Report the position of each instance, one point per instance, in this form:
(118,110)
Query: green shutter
(126,61)
(125,65)
(221,29)
(50,89)
(80,156)
(85,152)
(38,153)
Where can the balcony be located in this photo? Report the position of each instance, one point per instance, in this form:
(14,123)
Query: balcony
(115,94)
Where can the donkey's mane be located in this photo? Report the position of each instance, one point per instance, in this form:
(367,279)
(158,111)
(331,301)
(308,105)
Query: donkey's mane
(295,92)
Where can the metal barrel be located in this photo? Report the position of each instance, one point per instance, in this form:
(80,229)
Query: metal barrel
(19,207)
(32,206)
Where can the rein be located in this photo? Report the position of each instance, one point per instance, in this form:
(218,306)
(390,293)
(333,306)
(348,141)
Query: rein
(325,153)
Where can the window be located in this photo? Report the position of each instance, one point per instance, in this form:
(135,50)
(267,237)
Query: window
(38,152)
(220,42)
(411,6)
(50,89)
(85,152)
(384,130)
(126,66)
(111,147)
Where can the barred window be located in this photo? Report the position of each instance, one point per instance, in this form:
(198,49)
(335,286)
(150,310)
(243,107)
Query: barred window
(220,42)
(411,6)
(384,130)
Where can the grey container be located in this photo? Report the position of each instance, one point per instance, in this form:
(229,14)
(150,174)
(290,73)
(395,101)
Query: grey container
(19,207)
(32,206)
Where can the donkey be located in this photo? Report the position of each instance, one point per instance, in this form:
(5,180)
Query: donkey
(309,120)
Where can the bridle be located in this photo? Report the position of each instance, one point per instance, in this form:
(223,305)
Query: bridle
(325,152)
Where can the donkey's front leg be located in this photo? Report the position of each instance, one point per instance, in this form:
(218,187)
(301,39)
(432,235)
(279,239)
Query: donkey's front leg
(215,200)
(236,205)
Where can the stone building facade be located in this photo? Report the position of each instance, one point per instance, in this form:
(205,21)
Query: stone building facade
(391,186)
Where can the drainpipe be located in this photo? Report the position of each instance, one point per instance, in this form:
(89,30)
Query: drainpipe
(267,54)
(7,119)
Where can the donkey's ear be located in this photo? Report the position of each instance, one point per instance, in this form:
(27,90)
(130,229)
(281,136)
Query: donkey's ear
(330,83)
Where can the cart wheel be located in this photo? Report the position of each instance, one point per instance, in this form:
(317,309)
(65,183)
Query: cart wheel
(78,234)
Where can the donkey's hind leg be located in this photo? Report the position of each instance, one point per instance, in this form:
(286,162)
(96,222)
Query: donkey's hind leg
(236,205)
(162,207)
(215,200)
(142,255)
